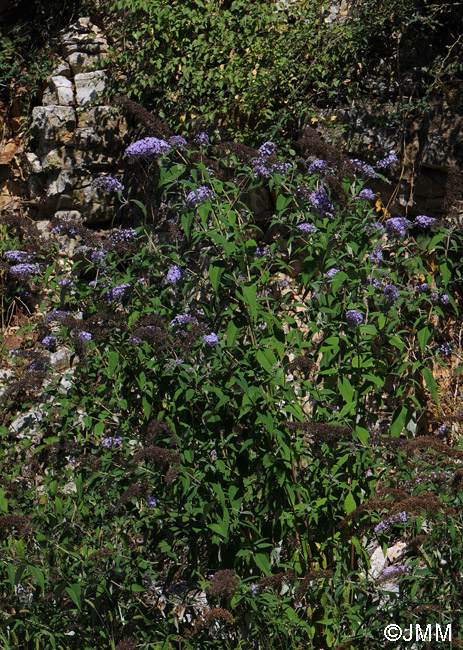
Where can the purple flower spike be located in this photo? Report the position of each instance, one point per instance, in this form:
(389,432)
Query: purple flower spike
(202,139)
(392,294)
(387,162)
(108,183)
(307,228)
(174,274)
(201,194)
(354,318)
(212,340)
(367,195)
(85,336)
(425,222)
(49,342)
(147,148)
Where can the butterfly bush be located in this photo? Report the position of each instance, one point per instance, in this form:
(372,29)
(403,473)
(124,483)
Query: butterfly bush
(49,341)
(148,148)
(322,203)
(363,167)
(425,222)
(178,142)
(319,167)
(396,227)
(392,293)
(354,318)
(202,139)
(376,255)
(307,228)
(367,195)
(109,184)
(387,162)
(85,336)
(199,195)
(25,270)
(111,442)
(211,340)
(174,274)
(19,257)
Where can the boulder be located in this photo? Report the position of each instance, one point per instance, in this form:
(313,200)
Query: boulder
(90,86)
(51,124)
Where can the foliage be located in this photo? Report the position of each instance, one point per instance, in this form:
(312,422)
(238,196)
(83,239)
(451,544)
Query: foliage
(265,68)
(220,429)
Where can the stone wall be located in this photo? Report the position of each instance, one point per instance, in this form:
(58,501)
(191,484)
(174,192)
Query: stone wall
(76,137)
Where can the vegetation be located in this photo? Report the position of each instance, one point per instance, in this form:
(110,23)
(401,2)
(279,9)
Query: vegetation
(220,431)
(261,384)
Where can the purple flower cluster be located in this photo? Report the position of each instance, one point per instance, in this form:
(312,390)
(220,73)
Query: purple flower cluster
(111,442)
(267,149)
(261,251)
(331,273)
(19,257)
(109,184)
(199,195)
(263,168)
(202,139)
(178,142)
(400,517)
(376,255)
(66,282)
(123,235)
(396,226)
(49,342)
(443,431)
(25,270)
(367,195)
(56,315)
(371,228)
(392,293)
(147,148)
(211,340)
(425,222)
(318,167)
(174,274)
(183,319)
(362,167)
(97,257)
(85,336)
(437,298)
(422,288)
(321,202)
(151,502)
(394,571)
(354,318)
(307,228)
(117,293)
(445,349)
(387,162)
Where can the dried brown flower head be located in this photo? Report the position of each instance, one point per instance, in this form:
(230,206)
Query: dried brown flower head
(223,583)
(127,644)
(157,455)
(307,579)
(18,524)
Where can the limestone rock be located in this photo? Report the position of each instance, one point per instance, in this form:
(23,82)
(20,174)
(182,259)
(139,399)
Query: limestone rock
(33,163)
(59,92)
(51,124)
(79,61)
(62,70)
(89,86)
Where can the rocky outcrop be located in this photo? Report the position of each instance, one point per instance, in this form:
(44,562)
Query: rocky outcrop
(76,137)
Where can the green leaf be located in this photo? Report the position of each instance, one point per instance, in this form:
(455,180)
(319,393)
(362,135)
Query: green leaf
(248,294)
(398,421)
(138,588)
(3,501)
(113,360)
(263,563)
(349,504)
(431,384)
(39,576)
(424,335)
(232,333)
(215,273)
(267,360)
(146,407)
(75,593)
(140,205)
